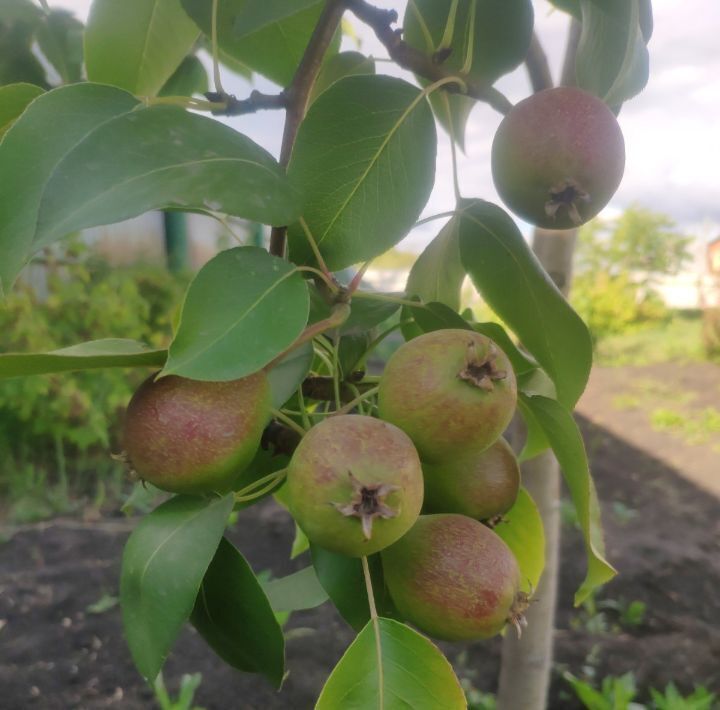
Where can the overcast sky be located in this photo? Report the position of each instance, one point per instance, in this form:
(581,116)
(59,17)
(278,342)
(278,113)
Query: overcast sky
(672,129)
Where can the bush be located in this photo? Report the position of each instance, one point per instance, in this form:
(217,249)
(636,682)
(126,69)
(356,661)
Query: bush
(51,426)
(612,304)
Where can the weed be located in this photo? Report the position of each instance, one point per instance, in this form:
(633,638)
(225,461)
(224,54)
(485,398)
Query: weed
(188,685)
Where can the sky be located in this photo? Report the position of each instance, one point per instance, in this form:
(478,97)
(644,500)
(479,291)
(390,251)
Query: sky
(672,129)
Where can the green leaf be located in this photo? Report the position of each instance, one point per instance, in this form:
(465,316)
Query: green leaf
(501,37)
(612,60)
(14,99)
(300,543)
(501,34)
(23,10)
(535,441)
(565,438)
(255,15)
(95,354)
(415,674)
(438,273)
(242,309)
(300,590)
(521,362)
(343,580)
(60,37)
(188,79)
(170,158)
(163,564)
(511,280)
(572,7)
(523,532)
(233,614)
(289,373)
(437,316)
(366,138)
(365,313)
(50,128)
(453,112)
(273,48)
(338,66)
(18,62)
(137,44)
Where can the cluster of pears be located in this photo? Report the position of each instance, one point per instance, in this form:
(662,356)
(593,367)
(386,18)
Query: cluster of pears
(413,484)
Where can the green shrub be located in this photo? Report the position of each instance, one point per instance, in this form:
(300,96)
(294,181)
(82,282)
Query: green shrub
(62,425)
(612,304)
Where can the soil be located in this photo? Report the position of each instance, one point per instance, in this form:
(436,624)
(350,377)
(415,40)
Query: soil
(662,530)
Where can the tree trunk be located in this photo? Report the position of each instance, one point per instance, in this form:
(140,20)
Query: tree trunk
(527,663)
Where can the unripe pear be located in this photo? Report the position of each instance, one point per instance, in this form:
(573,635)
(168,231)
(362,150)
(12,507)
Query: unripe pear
(355,484)
(558,157)
(188,436)
(454,579)
(479,484)
(448,390)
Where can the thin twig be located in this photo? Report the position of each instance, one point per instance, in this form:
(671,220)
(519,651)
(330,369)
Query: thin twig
(217,79)
(354,402)
(339,315)
(422,64)
(376,629)
(229,105)
(299,91)
(536,63)
(287,421)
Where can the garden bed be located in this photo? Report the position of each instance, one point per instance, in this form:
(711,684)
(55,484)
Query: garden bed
(61,642)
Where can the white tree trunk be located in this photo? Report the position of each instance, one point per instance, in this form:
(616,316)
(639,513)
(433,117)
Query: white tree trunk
(527,662)
(526,667)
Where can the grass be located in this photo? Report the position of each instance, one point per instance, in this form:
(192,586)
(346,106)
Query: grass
(679,340)
(695,428)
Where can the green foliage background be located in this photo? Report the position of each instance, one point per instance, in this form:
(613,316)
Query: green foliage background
(75,416)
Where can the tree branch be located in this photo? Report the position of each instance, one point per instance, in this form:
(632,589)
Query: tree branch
(568,77)
(299,90)
(257,101)
(427,66)
(537,66)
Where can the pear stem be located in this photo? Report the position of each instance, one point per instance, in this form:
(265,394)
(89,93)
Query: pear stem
(376,628)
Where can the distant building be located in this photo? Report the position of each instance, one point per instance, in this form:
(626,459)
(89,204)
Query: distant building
(713,256)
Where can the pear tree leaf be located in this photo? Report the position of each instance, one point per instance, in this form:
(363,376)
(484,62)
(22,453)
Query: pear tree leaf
(137,44)
(188,79)
(299,590)
(521,528)
(343,580)
(513,283)
(14,99)
(364,138)
(170,158)
(51,126)
(92,355)
(566,440)
(612,59)
(163,565)
(415,673)
(60,38)
(268,37)
(243,309)
(233,614)
(500,39)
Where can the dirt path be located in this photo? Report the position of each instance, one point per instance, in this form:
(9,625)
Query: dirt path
(671,411)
